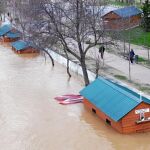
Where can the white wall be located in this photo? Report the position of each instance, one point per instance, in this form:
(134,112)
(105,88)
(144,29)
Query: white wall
(73,66)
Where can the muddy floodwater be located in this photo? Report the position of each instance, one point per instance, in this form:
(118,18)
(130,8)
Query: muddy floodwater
(30,118)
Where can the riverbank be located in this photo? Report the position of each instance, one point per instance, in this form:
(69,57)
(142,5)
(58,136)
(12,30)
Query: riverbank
(30,119)
(110,67)
(115,67)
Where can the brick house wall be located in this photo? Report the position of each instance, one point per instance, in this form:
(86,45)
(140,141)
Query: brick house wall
(128,123)
(26,51)
(114,22)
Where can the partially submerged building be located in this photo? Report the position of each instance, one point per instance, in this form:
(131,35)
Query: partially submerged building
(22,47)
(123,109)
(4,30)
(122,18)
(9,34)
(12,36)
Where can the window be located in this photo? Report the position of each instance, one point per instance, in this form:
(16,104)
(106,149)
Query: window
(108,121)
(142,116)
(93,110)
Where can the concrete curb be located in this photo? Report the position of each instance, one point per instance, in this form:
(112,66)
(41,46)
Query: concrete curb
(73,66)
(78,70)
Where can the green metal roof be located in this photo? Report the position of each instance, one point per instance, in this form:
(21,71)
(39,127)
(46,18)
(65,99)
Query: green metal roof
(13,34)
(5,29)
(20,45)
(145,99)
(112,99)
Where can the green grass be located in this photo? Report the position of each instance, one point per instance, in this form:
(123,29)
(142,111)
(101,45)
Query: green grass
(145,89)
(141,59)
(113,2)
(144,61)
(148,63)
(121,77)
(137,36)
(117,3)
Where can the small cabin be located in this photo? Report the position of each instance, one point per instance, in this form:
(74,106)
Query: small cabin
(4,30)
(12,36)
(22,47)
(122,18)
(121,108)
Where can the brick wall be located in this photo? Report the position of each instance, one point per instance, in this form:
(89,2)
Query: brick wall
(128,123)
(114,22)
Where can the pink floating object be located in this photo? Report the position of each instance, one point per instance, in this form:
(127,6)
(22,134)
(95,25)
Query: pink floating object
(69,99)
(66,102)
(68,96)
(71,95)
(61,98)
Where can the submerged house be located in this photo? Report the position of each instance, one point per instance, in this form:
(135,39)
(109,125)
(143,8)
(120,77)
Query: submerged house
(9,34)
(122,18)
(12,36)
(4,30)
(123,109)
(22,47)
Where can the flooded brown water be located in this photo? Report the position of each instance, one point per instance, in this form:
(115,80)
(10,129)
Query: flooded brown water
(30,119)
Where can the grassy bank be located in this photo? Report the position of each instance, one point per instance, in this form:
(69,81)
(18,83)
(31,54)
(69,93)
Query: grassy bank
(117,3)
(138,36)
(113,2)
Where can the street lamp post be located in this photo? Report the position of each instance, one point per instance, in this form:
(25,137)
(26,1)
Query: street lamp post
(129,48)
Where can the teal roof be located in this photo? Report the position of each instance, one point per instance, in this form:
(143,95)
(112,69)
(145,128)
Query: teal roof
(111,98)
(144,99)
(5,29)
(20,45)
(13,34)
(127,11)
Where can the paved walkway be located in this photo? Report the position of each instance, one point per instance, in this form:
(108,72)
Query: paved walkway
(139,73)
(139,50)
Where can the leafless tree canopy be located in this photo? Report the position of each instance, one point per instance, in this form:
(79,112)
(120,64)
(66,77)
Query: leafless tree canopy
(69,23)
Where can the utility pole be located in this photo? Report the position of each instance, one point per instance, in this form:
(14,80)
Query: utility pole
(129,47)
(148,55)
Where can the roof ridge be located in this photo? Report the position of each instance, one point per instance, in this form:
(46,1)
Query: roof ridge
(127,11)
(119,89)
(126,7)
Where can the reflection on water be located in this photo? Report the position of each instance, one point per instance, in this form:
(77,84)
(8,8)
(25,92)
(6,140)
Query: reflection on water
(30,119)
(28,56)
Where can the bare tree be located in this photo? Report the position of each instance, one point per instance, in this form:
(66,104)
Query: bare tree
(21,17)
(68,23)
(20,11)
(2,8)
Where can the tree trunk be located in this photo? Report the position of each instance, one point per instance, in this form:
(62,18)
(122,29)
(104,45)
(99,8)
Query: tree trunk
(68,69)
(85,74)
(45,51)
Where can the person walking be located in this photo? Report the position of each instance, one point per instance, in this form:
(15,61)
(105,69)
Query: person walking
(132,54)
(101,51)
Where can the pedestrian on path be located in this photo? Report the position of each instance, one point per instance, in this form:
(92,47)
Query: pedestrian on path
(101,51)
(132,55)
